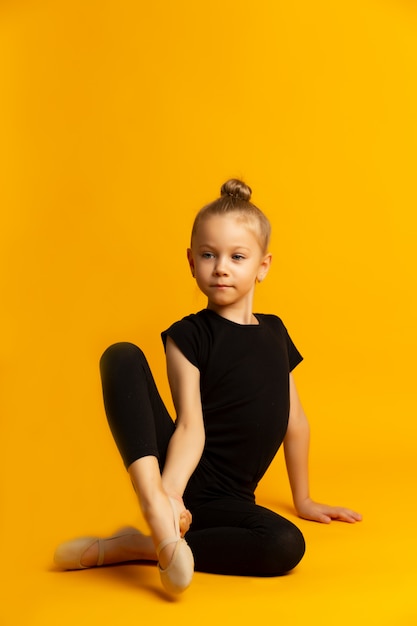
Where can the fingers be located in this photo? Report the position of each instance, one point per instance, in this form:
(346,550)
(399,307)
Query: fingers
(345,515)
(185,522)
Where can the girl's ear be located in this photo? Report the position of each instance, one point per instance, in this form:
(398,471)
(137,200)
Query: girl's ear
(191,261)
(264,267)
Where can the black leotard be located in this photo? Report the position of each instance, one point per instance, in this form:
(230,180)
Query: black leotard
(244,373)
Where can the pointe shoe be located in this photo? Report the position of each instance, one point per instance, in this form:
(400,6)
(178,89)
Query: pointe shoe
(68,555)
(177,576)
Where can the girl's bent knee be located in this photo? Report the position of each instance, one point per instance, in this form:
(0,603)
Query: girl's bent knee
(120,353)
(291,550)
(285,551)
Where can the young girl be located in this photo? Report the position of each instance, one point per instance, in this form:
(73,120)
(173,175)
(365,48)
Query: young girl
(235,398)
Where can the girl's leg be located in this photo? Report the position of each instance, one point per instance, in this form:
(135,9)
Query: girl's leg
(140,424)
(142,428)
(242,539)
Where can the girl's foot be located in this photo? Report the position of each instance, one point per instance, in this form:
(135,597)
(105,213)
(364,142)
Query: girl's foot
(128,544)
(175,559)
(162,516)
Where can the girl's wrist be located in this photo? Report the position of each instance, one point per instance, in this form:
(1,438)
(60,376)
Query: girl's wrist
(300,502)
(171,491)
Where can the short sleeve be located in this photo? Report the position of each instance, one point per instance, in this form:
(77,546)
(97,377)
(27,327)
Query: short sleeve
(187,335)
(278,328)
(294,356)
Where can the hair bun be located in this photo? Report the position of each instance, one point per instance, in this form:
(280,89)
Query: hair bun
(236,189)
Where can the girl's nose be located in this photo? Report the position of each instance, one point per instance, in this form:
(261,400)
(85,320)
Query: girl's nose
(220,268)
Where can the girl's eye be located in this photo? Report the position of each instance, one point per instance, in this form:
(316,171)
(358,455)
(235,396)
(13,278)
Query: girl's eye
(238,257)
(207,255)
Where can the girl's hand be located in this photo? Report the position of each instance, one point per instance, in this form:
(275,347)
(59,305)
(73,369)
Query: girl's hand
(185,516)
(185,521)
(316,512)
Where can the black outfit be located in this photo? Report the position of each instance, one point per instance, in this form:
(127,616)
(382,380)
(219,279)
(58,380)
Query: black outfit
(244,380)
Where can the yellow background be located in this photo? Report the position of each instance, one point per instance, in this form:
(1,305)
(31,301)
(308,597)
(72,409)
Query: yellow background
(118,121)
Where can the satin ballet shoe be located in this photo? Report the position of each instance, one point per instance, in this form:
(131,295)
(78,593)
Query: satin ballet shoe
(178,574)
(69,554)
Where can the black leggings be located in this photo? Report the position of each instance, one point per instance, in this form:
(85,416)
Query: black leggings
(228,535)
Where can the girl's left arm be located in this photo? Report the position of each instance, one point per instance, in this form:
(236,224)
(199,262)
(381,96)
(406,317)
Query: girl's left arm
(296,448)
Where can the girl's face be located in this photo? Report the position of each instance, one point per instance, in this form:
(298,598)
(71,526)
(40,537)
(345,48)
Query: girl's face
(226,259)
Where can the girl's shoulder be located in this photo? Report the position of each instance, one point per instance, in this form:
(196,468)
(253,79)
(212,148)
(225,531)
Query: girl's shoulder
(270,319)
(192,335)
(193,325)
(276,327)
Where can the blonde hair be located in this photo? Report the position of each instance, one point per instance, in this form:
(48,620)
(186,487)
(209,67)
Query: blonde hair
(235,197)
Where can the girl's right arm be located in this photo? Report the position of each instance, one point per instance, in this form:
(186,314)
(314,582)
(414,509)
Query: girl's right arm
(187,442)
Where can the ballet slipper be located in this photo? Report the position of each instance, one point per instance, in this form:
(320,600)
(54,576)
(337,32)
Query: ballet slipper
(69,554)
(177,576)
